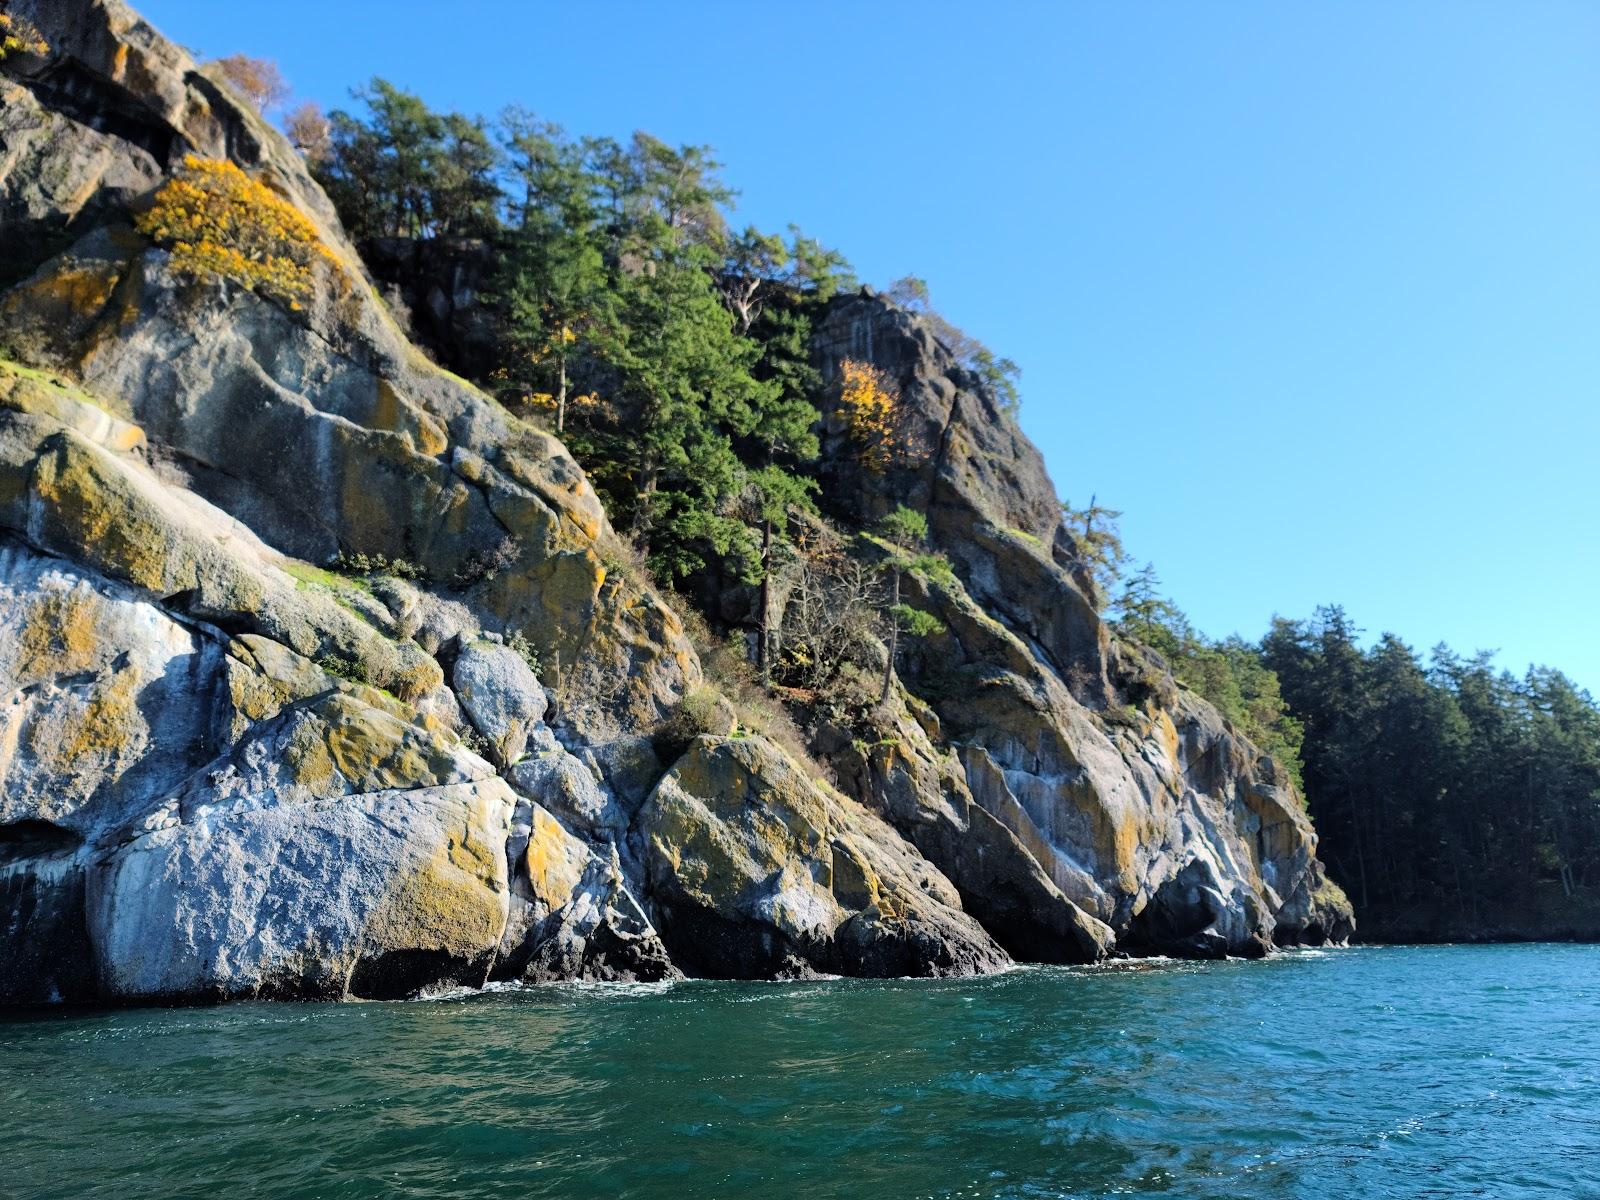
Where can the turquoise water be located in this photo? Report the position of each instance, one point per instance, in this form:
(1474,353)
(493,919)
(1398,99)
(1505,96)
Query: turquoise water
(1439,1071)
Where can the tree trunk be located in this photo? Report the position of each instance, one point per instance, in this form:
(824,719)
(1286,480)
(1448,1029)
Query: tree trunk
(894,640)
(641,510)
(1361,854)
(764,647)
(561,392)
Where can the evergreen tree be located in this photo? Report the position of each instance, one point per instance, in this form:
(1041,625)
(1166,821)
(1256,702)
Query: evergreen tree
(904,533)
(407,171)
(1094,532)
(554,292)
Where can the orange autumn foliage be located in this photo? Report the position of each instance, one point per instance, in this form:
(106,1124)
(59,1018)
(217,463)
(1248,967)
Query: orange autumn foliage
(258,79)
(218,222)
(870,403)
(18,36)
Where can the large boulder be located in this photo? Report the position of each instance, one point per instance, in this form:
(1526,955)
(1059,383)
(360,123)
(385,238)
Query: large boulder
(375,895)
(757,870)
(501,695)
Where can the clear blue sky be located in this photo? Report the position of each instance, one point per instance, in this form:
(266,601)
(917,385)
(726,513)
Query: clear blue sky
(1310,291)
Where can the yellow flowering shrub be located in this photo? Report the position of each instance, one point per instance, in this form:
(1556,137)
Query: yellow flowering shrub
(546,403)
(217,221)
(870,404)
(18,36)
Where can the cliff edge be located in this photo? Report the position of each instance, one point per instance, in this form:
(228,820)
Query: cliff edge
(325,676)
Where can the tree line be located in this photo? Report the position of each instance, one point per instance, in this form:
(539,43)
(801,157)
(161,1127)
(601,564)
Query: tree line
(1430,779)
(1445,778)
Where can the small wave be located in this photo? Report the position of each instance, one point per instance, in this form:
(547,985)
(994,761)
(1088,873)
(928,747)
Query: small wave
(518,987)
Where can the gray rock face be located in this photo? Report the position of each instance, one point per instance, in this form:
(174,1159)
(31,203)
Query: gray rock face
(925,795)
(574,916)
(1154,818)
(228,770)
(565,786)
(740,841)
(501,696)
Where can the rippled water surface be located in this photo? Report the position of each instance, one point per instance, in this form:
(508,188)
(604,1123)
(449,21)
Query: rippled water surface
(1441,1071)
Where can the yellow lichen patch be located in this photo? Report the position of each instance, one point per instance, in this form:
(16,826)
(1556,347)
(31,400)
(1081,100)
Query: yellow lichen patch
(18,36)
(1168,733)
(218,222)
(91,739)
(570,585)
(108,727)
(58,636)
(385,485)
(99,512)
(297,675)
(308,762)
(36,393)
(392,411)
(375,751)
(586,522)
(855,884)
(379,699)
(416,679)
(252,696)
(555,861)
(456,900)
(77,290)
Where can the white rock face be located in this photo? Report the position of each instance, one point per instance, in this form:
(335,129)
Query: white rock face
(359,895)
(98,693)
(501,695)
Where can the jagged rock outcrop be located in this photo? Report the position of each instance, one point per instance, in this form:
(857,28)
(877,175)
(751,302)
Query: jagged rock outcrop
(321,675)
(922,789)
(1135,798)
(226,769)
(739,837)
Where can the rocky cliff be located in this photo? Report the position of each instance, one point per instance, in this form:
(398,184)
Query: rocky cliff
(322,675)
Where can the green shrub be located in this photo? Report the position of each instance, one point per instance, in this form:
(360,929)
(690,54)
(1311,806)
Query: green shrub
(519,645)
(376,564)
(353,670)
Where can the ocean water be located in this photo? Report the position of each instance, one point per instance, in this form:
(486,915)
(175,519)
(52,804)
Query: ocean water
(1407,1072)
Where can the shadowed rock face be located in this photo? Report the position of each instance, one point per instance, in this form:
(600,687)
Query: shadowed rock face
(228,770)
(739,838)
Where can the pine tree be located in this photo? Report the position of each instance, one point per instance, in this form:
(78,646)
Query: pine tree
(554,292)
(904,532)
(1094,531)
